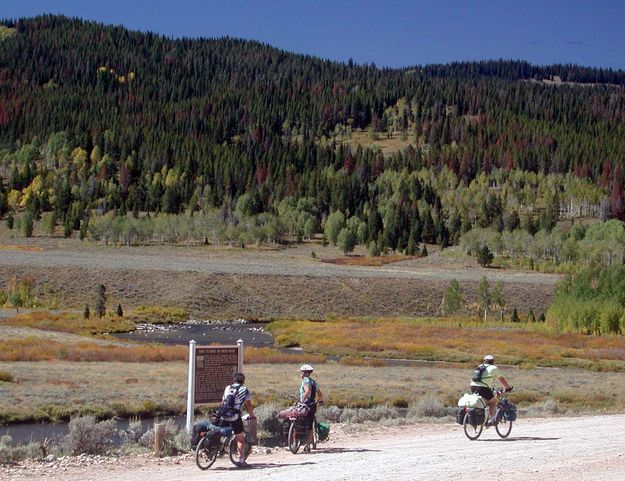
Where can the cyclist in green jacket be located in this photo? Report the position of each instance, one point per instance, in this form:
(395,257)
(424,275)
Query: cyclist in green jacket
(311,395)
(484,387)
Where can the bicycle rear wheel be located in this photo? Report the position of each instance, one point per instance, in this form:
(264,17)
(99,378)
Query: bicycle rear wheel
(470,430)
(503,427)
(315,434)
(294,440)
(204,458)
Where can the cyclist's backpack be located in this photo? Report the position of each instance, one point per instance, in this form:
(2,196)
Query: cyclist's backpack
(227,411)
(477,374)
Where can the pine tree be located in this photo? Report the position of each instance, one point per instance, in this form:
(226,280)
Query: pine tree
(100,306)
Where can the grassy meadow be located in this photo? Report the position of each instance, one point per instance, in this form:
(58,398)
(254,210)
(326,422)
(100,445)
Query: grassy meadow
(55,365)
(453,339)
(60,389)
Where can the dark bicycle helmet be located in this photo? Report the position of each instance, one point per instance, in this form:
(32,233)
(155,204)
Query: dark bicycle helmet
(239,377)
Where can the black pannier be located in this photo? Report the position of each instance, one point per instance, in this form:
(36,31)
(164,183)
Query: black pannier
(205,429)
(460,415)
(477,416)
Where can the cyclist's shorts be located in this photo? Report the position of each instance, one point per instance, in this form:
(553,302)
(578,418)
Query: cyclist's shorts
(237,426)
(485,392)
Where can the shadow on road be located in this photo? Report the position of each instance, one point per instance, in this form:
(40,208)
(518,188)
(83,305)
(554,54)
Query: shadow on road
(520,438)
(346,450)
(261,466)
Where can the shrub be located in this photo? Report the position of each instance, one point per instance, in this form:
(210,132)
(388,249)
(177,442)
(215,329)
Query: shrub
(330,413)
(551,406)
(375,414)
(373,249)
(10,453)
(160,314)
(134,431)
(428,406)
(6,376)
(86,435)
(175,441)
(268,423)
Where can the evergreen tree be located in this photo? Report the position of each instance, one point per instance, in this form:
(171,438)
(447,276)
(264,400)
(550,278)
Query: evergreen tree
(346,240)
(100,306)
(452,299)
(484,256)
(27,224)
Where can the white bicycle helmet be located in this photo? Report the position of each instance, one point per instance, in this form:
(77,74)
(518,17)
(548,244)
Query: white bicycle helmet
(489,359)
(306,368)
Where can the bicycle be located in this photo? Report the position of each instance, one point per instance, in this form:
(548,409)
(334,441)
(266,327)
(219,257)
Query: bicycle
(298,431)
(475,421)
(216,443)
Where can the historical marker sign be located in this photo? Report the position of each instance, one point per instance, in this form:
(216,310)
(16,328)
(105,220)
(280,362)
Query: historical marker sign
(214,368)
(210,370)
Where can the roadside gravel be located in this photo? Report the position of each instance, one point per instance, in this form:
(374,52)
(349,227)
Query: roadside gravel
(538,450)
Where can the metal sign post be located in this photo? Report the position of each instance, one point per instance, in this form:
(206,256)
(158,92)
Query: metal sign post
(190,386)
(210,370)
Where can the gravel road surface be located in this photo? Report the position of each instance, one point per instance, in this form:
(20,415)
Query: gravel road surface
(589,449)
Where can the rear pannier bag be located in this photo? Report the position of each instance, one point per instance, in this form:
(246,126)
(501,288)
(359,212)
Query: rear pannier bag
(460,412)
(198,432)
(301,426)
(477,416)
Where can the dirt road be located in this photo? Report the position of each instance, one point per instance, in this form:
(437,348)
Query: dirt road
(588,449)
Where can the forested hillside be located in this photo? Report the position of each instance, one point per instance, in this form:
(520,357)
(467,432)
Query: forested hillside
(99,124)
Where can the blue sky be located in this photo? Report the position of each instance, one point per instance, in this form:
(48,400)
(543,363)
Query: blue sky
(387,32)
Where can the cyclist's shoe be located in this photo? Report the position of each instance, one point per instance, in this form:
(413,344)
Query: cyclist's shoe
(307,448)
(242,464)
(489,423)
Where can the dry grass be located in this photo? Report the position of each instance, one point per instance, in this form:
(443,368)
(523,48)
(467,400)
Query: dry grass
(26,248)
(159,314)
(445,340)
(69,322)
(39,349)
(367,261)
(33,348)
(67,388)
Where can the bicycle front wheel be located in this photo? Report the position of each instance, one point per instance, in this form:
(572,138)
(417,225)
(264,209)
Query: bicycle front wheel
(204,458)
(470,430)
(503,427)
(294,441)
